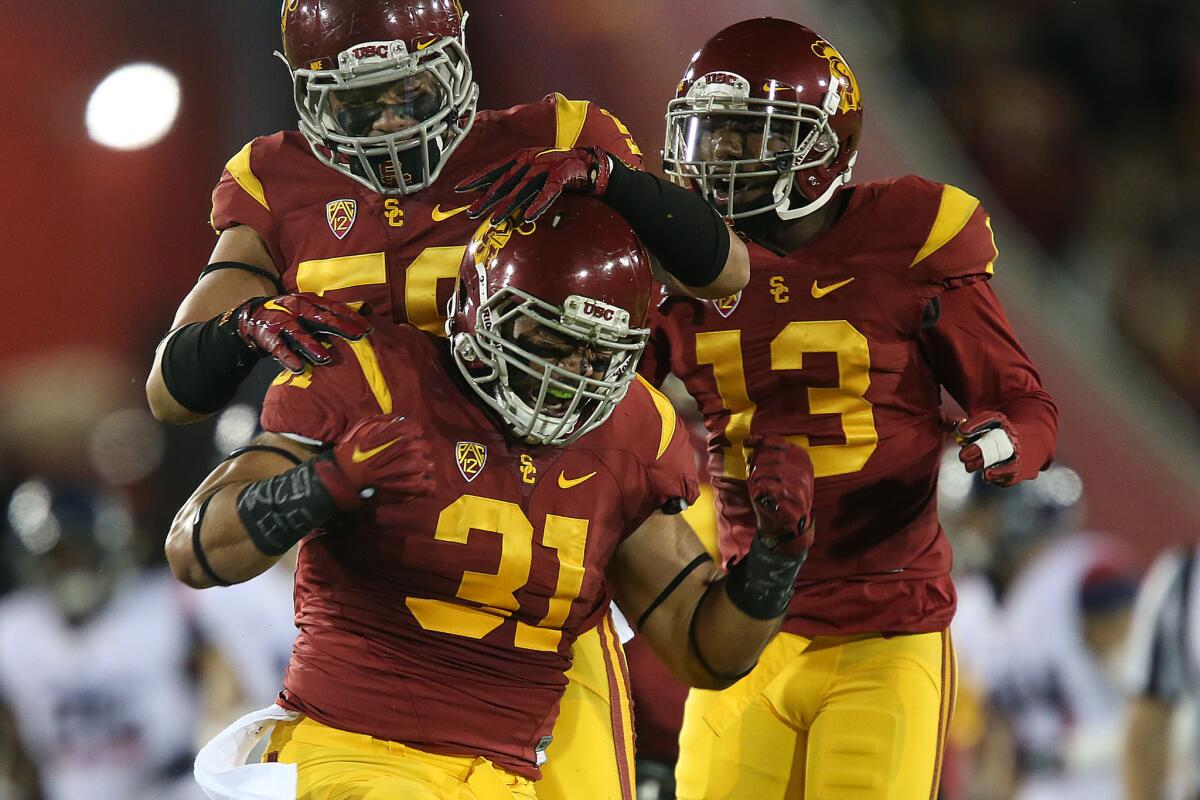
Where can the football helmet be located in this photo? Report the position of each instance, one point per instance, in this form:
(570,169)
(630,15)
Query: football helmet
(546,321)
(766,118)
(384,87)
(75,541)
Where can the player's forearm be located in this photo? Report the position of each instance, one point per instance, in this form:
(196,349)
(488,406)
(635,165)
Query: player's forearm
(209,545)
(163,404)
(1145,758)
(251,510)
(723,642)
(194,376)
(686,236)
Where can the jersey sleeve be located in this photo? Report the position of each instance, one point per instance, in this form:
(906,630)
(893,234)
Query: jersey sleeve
(241,196)
(954,241)
(668,461)
(655,364)
(580,123)
(976,356)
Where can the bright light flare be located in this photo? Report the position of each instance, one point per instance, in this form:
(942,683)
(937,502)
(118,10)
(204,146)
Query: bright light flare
(134,107)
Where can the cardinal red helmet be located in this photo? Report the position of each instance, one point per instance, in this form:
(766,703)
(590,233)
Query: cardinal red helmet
(535,300)
(767,117)
(384,87)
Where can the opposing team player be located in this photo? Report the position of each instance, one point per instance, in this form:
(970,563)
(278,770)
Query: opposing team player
(97,657)
(358,206)
(472,530)
(864,303)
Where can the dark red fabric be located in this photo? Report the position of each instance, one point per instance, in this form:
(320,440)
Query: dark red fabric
(363,662)
(839,325)
(977,357)
(415,235)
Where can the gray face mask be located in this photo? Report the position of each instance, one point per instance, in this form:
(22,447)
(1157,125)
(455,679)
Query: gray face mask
(80,592)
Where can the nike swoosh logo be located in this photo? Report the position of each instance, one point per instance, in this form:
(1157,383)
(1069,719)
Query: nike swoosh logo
(569,483)
(439,215)
(273,306)
(358,456)
(421,46)
(819,292)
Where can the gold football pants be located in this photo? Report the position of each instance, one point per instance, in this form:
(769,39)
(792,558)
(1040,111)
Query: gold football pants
(339,765)
(831,718)
(591,755)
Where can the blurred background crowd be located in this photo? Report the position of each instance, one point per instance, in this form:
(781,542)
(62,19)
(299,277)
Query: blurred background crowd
(1077,123)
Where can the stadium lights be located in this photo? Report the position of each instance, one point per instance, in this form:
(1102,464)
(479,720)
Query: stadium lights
(134,107)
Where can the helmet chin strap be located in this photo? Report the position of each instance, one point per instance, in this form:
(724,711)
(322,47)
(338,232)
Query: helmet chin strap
(785,210)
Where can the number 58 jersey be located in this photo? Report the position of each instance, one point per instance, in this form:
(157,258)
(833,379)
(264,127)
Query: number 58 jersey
(838,347)
(446,622)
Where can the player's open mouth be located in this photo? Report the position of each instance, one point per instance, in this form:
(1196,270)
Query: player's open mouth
(557,401)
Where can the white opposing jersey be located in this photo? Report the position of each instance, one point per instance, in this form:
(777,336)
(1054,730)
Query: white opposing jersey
(1066,706)
(106,710)
(252,625)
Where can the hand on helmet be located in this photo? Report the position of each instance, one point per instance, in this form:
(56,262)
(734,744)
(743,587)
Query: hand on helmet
(534,178)
(989,443)
(283,327)
(380,453)
(781,491)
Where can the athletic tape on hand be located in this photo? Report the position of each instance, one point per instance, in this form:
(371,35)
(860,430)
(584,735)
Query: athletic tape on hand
(995,446)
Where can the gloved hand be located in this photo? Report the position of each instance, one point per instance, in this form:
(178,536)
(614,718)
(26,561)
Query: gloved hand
(282,327)
(380,453)
(988,442)
(534,178)
(781,492)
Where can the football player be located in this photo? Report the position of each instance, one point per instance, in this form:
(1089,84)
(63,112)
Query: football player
(97,658)
(359,206)
(865,302)
(471,530)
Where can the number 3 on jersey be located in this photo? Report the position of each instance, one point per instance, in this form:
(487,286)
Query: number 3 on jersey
(723,350)
(495,593)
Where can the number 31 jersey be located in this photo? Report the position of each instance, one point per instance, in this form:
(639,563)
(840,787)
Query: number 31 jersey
(828,346)
(446,622)
(333,237)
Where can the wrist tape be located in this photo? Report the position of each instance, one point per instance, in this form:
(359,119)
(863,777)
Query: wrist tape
(280,511)
(761,584)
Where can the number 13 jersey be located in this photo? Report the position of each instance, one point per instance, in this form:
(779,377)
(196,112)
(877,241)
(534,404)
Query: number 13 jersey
(834,346)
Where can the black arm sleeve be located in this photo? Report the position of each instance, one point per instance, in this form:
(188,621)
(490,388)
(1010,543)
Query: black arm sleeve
(678,227)
(204,363)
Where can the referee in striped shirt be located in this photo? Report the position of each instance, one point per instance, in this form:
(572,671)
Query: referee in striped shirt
(1164,671)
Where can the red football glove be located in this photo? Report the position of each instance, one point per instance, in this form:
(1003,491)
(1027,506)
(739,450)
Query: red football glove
(380,453)
(282,327)
(781,491)
(534,178)
(989,443)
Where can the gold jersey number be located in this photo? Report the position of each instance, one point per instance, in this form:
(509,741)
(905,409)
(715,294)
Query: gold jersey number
(490,598)
(723,351)
(371,269)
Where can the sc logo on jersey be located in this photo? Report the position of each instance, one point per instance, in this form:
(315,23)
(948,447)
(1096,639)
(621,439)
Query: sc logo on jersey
(393,213)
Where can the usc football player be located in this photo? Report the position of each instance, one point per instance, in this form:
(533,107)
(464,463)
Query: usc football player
(865,303)
(467,508)
(358,206)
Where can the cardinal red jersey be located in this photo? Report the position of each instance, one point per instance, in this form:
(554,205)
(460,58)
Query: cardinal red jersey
(446,623)
(825,346)
(335,238)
